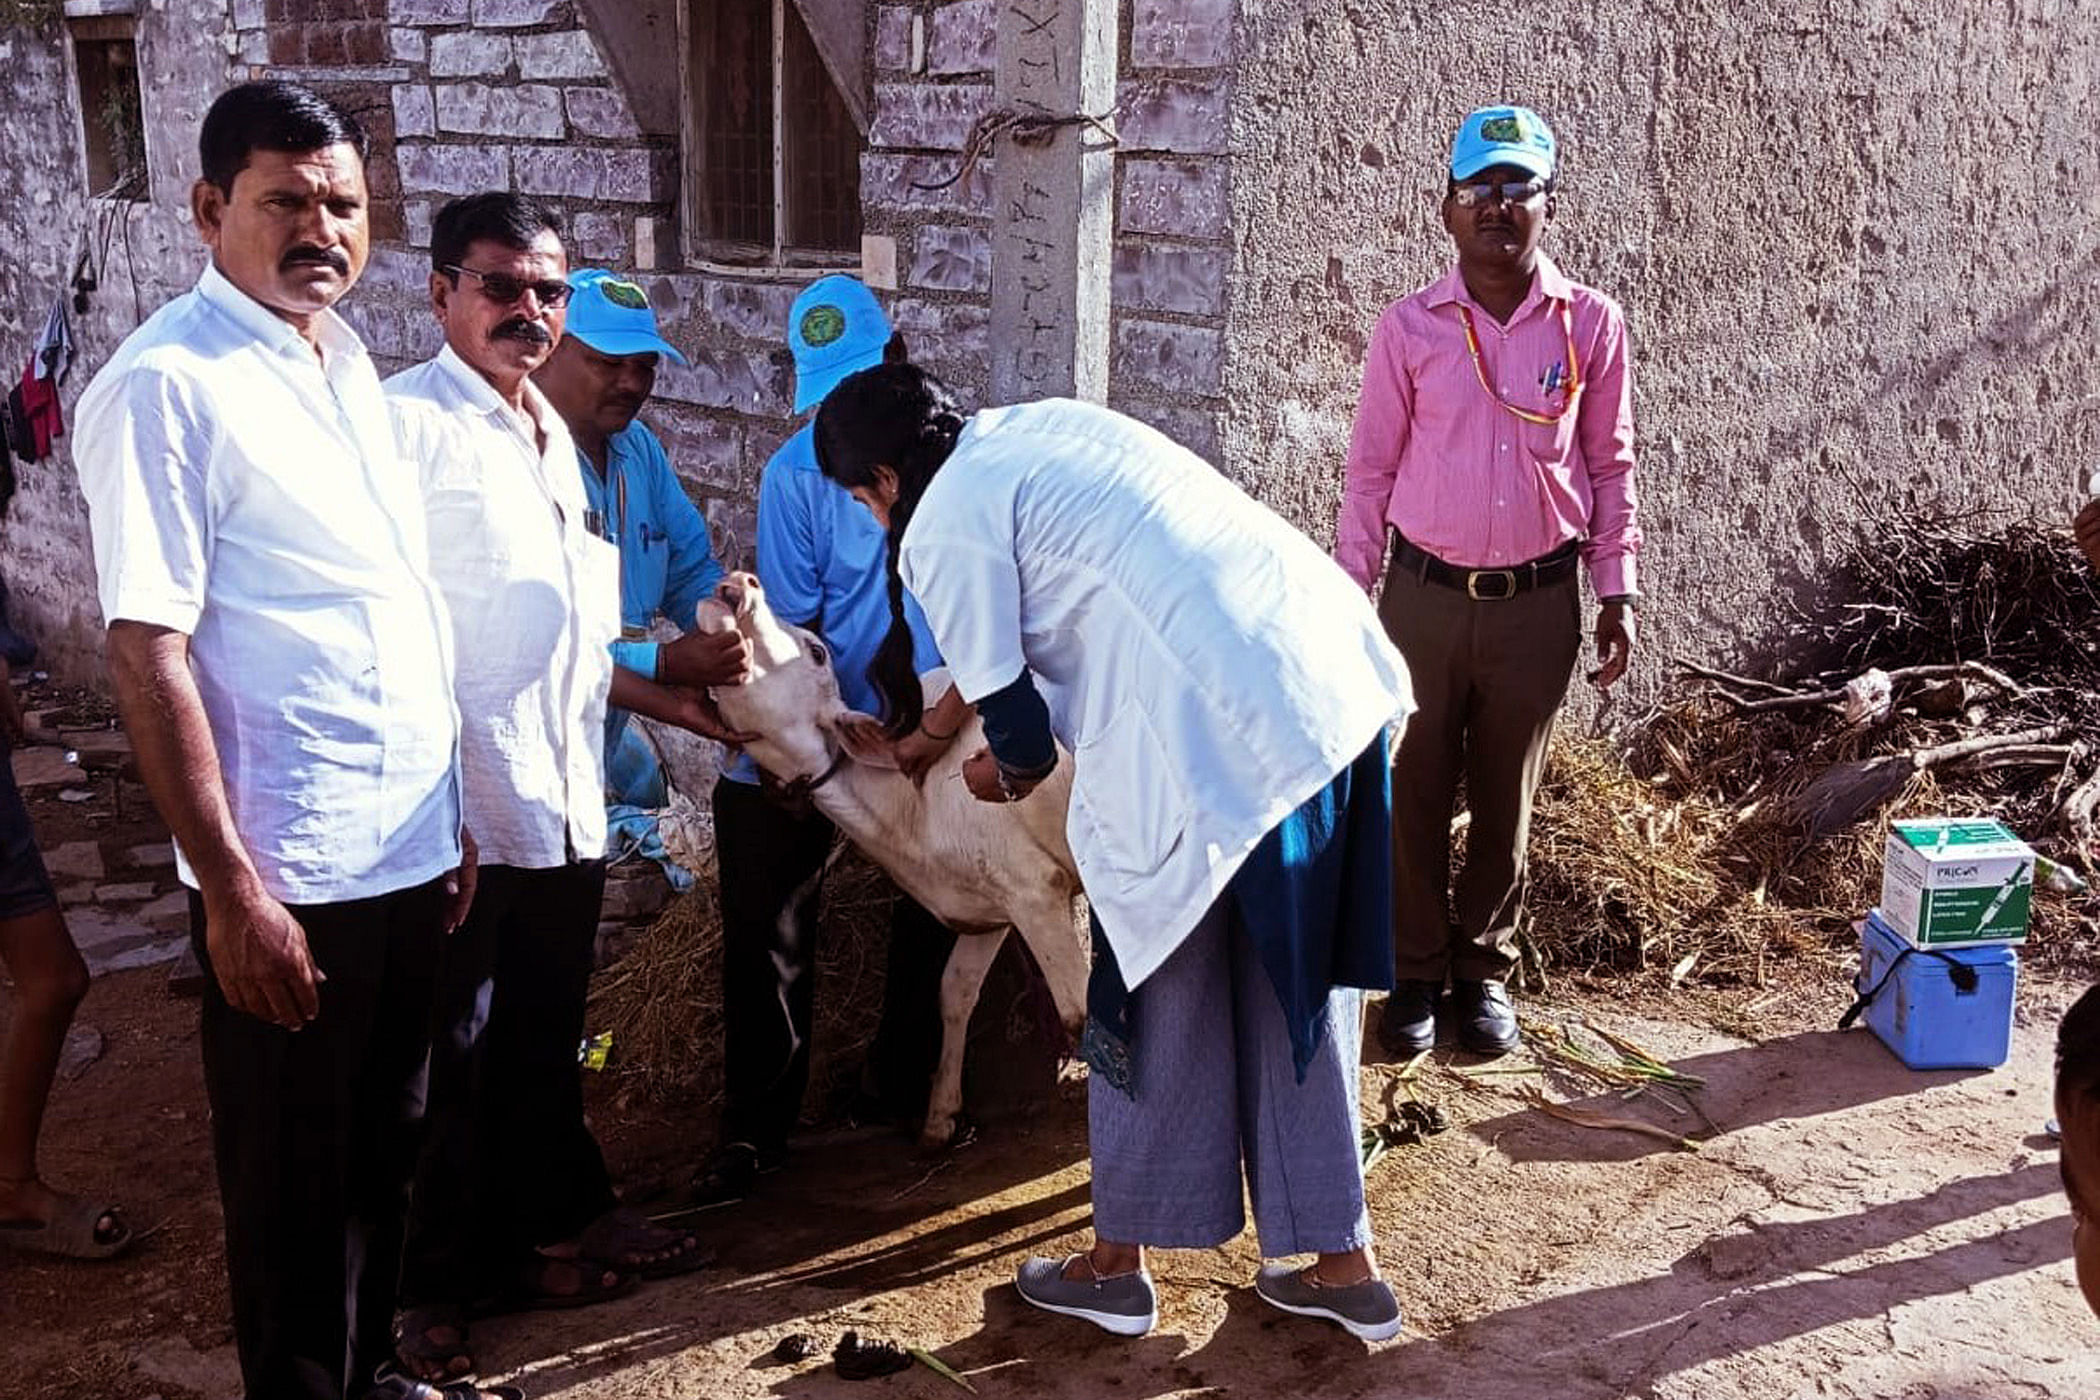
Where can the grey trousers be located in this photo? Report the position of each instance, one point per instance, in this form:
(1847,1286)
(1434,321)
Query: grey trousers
(1216,1089)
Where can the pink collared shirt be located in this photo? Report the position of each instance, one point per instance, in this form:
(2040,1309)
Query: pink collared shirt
(1436,458)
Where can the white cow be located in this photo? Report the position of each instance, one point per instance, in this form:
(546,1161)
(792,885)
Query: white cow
(981,868)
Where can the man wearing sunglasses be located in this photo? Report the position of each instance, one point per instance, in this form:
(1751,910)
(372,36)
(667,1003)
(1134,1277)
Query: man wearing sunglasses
(512,1200)
(1494,443)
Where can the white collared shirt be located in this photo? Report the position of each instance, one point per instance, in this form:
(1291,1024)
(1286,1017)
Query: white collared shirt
(1207,665)
(249,494)
(535,599)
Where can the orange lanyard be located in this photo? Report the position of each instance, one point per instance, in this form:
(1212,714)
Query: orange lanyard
(1569,387)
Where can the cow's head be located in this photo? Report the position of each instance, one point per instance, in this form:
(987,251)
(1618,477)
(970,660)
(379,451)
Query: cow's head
(792,700)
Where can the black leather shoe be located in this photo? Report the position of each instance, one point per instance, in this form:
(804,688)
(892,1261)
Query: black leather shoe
(1408,1026)
(1487,1022)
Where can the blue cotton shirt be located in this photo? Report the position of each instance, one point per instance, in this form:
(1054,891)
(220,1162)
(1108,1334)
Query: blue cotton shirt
(667,560)
(824,564)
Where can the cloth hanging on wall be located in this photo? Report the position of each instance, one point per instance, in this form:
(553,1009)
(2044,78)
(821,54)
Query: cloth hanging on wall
(53,354)
(34,407)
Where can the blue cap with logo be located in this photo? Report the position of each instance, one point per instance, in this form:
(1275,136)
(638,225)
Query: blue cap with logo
(1503,136)
(612,316)
(836,328)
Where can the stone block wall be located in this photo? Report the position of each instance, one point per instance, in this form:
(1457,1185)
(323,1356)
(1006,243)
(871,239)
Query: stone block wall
(1847,292)
(472,95)
(139,254)
(1172,254)
(1173,250)
(933,79)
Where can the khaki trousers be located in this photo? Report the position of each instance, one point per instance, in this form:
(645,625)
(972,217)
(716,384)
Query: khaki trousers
(1489,676)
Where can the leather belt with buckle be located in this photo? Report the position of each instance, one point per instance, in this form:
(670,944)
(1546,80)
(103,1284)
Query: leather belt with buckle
(1488,585)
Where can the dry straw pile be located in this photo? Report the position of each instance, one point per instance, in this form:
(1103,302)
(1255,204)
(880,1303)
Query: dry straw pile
(663,1001)
(1741,822)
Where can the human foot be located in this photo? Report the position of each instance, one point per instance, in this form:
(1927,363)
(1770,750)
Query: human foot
(35,1217)
(430,1342)
(624,1239)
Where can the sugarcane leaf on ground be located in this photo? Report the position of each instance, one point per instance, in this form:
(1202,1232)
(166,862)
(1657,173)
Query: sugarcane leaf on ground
(1588,1118)
(939,1367)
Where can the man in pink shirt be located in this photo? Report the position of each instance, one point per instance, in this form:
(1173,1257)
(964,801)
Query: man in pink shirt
(1494,443)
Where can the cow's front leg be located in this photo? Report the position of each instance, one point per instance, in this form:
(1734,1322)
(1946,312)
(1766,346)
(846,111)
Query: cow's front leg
(961,981)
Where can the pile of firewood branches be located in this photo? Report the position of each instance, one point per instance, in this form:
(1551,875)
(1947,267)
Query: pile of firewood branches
(1951,668)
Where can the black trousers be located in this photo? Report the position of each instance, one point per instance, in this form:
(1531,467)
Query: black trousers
(315,1134)
(509,1164)
(772,864)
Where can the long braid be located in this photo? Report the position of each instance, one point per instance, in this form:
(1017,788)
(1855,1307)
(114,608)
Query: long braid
(900,417)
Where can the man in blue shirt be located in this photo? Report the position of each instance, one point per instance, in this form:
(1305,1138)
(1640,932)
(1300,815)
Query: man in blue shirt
(598,378)
(823,562)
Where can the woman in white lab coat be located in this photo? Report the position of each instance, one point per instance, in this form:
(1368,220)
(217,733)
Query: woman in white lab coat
(1228,699)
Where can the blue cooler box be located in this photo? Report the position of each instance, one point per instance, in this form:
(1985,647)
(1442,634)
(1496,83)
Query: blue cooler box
(1923,1010)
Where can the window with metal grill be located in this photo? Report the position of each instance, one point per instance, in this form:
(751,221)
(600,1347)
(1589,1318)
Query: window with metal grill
(772,148)
(112,128)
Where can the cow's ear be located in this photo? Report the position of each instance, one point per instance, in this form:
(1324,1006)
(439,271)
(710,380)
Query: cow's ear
(866,739)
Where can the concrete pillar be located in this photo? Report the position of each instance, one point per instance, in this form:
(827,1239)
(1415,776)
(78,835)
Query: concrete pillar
(1052,197)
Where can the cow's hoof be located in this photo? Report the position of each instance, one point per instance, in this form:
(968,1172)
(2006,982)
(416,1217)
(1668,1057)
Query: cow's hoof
(945,1133)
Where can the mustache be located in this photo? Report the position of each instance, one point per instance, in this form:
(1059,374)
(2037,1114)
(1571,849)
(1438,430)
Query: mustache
(332,258)
(518,328)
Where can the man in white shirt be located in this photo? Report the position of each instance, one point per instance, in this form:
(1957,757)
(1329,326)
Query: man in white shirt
(283,665)
(511,1169)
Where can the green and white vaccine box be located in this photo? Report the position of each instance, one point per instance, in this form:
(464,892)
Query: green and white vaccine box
(1949,882)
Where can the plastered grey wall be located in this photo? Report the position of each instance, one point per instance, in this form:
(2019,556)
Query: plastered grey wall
(142,254)
(1855,243)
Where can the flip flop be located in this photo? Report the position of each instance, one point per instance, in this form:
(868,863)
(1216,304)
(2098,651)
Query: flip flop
(70,1232)
(528,1292)
(413,1344)
(617,1239)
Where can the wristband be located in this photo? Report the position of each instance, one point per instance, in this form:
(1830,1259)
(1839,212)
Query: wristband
(927,730)
(1631,600)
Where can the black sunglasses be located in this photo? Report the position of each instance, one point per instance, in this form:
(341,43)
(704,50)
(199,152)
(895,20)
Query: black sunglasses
(504,289)
(1508,191)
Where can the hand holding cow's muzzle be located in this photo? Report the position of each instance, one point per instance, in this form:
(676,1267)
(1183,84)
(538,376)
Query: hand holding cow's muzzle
(705,658)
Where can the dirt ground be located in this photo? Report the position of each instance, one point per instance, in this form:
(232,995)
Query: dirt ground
(1854,1230)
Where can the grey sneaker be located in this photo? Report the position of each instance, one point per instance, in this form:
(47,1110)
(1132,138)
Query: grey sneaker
(1369,1310)
(1123,1304)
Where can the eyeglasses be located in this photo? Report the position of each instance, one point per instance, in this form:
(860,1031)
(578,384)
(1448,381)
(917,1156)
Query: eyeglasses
(1508,191)
(504,289)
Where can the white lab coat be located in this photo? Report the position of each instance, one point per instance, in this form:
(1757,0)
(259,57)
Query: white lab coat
(1208,666)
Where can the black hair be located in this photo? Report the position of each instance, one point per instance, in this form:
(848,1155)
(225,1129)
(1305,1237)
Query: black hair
(271,116)
(513,220)
(2078,1047)
(2078,1084)
(896,416)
